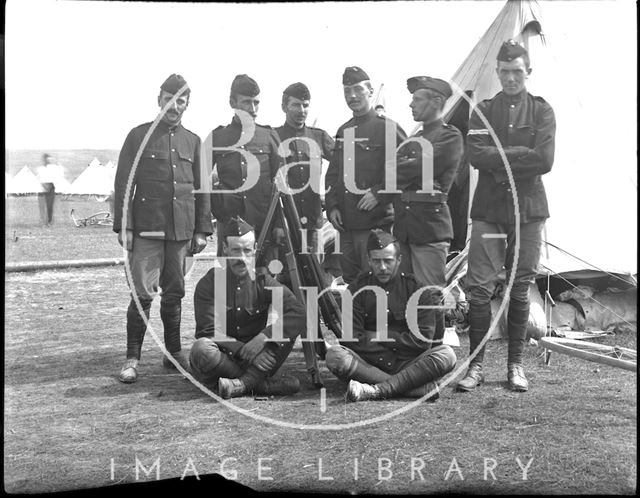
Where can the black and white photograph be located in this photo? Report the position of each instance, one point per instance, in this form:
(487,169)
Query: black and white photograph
(348,247)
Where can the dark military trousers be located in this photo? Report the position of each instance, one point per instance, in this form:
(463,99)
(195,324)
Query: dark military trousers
(355,257)
(400,378)
(488,254)
(154,264)
(209,362)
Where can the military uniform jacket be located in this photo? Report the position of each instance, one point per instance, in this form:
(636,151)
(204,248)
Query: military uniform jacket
(161,204)
(247,309)
(406,345)
(308,202)
(369,173)
(418,222)
(526,126)
(252,204)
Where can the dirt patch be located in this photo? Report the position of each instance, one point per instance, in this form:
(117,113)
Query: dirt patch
(70,424)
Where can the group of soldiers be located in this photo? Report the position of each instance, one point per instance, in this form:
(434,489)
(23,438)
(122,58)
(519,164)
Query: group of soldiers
(396,240)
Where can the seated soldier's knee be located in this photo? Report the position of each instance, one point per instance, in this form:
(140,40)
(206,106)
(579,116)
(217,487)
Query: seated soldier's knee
(205,354)
(339,360)
(446,357)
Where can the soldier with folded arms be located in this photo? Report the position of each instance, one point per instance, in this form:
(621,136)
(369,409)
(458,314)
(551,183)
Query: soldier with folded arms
(242,359)
(525,127)
(407,364)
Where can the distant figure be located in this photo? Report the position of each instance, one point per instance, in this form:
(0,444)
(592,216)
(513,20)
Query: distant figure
(380,110)
(48,174)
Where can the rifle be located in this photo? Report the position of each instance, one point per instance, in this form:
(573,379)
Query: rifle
(304,270)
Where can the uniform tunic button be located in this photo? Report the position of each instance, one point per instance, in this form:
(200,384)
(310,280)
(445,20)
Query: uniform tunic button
(510,126)
(512,106)
(173,150)
(238,309)
(153,155)
(174,165)
(174,198)
(175,183)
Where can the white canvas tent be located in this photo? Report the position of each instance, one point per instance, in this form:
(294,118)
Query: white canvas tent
(25,182)
(592,198)
(94,180)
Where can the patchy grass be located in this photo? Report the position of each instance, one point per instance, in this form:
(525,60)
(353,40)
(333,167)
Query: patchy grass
(27,239)
(70,424)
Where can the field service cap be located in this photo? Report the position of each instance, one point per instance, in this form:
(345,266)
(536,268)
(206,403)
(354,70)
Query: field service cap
(298,90)
(510,50)
(245,85)
(379,239)
(236,227)
(428,83)
(173,84)
(353,75)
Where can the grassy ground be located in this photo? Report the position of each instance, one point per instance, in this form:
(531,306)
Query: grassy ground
(70,424)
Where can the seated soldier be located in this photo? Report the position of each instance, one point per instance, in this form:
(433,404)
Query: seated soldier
(405,365)
(244,360)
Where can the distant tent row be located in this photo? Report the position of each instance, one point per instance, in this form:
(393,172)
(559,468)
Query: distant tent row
(96,179)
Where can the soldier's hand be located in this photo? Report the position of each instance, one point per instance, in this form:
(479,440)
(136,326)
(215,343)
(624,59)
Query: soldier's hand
(127,242)
(335,217)
(198,242)
(277,235)
(265,360)
(251,349)
(367,202)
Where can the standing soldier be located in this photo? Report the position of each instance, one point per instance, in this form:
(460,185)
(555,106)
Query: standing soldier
(164,220)
(525,126)
(422,220)
(232,144)
(308,162)
(354,214)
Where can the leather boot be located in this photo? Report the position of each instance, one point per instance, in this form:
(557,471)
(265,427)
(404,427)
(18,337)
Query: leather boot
(278,387)
(515,375)
(479,322)
(419,392)
(231,388)
(180,357)
(517,320)
(136,327)
(358,391)
(129,371)
(473,379)
(171,313)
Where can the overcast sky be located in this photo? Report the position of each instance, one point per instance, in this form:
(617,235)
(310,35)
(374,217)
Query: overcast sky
(82,74)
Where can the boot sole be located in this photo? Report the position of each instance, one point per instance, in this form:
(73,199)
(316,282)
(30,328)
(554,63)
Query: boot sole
(463,389)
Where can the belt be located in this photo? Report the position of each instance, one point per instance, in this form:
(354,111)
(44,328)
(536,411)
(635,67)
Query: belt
(435,197)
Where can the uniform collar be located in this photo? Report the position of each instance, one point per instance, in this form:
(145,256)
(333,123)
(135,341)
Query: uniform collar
(514,99)
(295,131)
(436,123)
(164,126)
(365,117)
